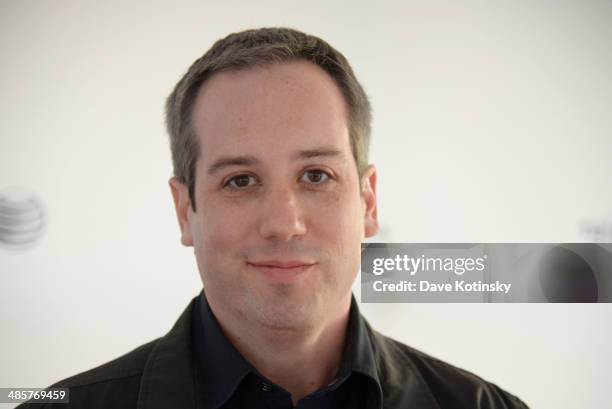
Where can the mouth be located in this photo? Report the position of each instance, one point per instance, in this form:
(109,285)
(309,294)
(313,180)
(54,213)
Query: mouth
(281,271)
(282,264)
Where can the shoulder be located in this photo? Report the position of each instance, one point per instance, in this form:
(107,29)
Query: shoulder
(126,366)
(447,385)
(158,369)
(116,381)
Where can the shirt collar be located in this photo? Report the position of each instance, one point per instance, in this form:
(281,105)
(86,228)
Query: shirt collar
(358,355)
(220,368)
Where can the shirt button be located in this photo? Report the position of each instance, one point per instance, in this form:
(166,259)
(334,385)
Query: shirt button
(265,387)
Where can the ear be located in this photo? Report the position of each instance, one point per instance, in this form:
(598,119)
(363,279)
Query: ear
(368,194)
(182,205)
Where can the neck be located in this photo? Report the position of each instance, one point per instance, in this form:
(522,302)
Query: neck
(301,360)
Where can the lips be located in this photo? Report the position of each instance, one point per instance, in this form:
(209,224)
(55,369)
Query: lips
(286,265)
(281,271)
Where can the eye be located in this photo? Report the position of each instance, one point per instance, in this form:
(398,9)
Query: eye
(315,176)
(241,181)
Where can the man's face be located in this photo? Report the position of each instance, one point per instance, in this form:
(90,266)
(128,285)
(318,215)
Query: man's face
(280,213)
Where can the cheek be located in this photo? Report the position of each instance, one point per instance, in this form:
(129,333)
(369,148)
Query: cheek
(342,229)
(219,237)
(340,226)
(342,217)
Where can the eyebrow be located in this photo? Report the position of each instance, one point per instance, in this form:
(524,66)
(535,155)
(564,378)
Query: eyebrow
(248,160)
(317,153)
(227,161)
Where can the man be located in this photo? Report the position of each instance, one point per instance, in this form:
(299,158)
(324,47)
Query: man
(269,134)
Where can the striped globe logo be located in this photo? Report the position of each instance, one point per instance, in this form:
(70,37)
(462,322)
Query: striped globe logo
(22,218)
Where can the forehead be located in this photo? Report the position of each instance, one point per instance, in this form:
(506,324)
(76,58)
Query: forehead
(270,110)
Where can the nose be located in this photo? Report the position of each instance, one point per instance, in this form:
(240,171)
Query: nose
(281,218)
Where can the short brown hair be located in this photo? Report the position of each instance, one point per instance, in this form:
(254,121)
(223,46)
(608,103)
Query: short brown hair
(260,47)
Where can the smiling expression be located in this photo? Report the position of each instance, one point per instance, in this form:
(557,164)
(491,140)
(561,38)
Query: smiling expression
(281,208)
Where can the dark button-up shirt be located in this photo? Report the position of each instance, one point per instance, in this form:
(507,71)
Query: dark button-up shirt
(225,379)
(161,374)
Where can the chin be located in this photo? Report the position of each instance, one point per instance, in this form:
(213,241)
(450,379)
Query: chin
(286,313)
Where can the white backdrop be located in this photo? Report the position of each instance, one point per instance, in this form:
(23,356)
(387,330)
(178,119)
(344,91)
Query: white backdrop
(492,124)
